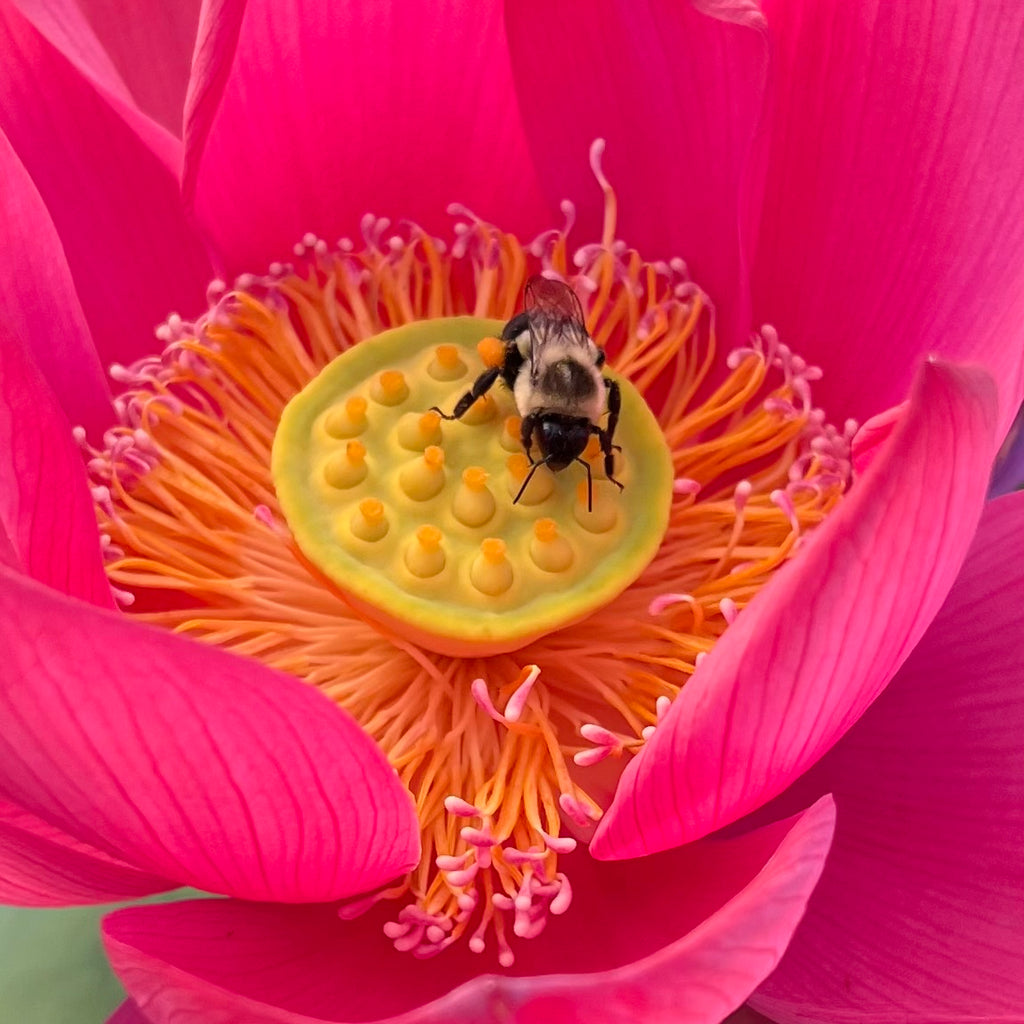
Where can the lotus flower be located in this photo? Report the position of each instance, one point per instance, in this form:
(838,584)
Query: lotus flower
(850,175)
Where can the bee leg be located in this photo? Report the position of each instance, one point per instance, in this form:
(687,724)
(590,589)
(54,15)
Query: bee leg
(481,386)
(590,483)
(599,359)
(614,407)
(526,434)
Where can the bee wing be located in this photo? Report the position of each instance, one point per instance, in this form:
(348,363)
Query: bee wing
(555,315)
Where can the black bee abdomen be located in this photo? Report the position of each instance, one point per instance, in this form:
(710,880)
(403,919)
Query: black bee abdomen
(567,379)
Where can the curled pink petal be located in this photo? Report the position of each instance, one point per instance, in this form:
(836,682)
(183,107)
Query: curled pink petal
(189,763)
(691,966)
(893,213)
(822,639)
(918,915)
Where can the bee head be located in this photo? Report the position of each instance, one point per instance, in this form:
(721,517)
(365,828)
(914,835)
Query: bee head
(562,439)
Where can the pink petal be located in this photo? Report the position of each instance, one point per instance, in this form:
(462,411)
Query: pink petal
(151,45)
(128,1013)
(40,866)
(677,95)
(616,956)
(893,223)
(190,763)
(398,109)
(39,301)
(113,195)
(820,642)
(46,511)
(919,916)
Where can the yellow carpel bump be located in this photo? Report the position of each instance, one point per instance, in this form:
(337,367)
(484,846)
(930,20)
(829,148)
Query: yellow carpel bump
(447,364)
(390,388)
(473,504)
(603,514)
(541,484)
(417,431)
(511,435)
(491,572)
(347,420)
(491,351)
(348,468)
(550,551)
(423,478)
(369,522)
(424,556)
(483,410)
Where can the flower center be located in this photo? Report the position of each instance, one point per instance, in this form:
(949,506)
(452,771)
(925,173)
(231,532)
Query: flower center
(443,530)
(499,752)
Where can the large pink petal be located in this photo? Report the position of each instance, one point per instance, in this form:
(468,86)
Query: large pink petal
(677,94)
(114,200)
(39,302)
(397,108)
(616,956)
(819,643)
(46,511)
(40,866)
(920,913)
(188,762)
(893,222)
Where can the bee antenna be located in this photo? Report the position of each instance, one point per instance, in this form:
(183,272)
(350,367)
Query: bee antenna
(590,484)
(529,476)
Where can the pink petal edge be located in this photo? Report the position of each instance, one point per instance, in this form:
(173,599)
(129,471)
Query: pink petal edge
(299,965)
(919,916)
(817,645)
(40,866)
(46,511)
(190,763)
(133,254)
(893,214)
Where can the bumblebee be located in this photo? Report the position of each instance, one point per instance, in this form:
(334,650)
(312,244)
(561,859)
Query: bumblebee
(553,369)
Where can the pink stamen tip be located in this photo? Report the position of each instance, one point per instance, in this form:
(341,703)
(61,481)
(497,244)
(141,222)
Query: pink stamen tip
(478,688)
(446,862)
(466,902)
(461,878)
(506,958)
(395,929)
(727,606)
(461,808)
(476,944)
(663,602)
(684,485)
(435,933)
(560,904)
(477,837)
(699,660)
(742,494)
(263,515)
(502,901)
(596,153)
(588,758)
(574,810)
(516,704)
(647,732)
(661,706)
(559,844)
(599,734)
